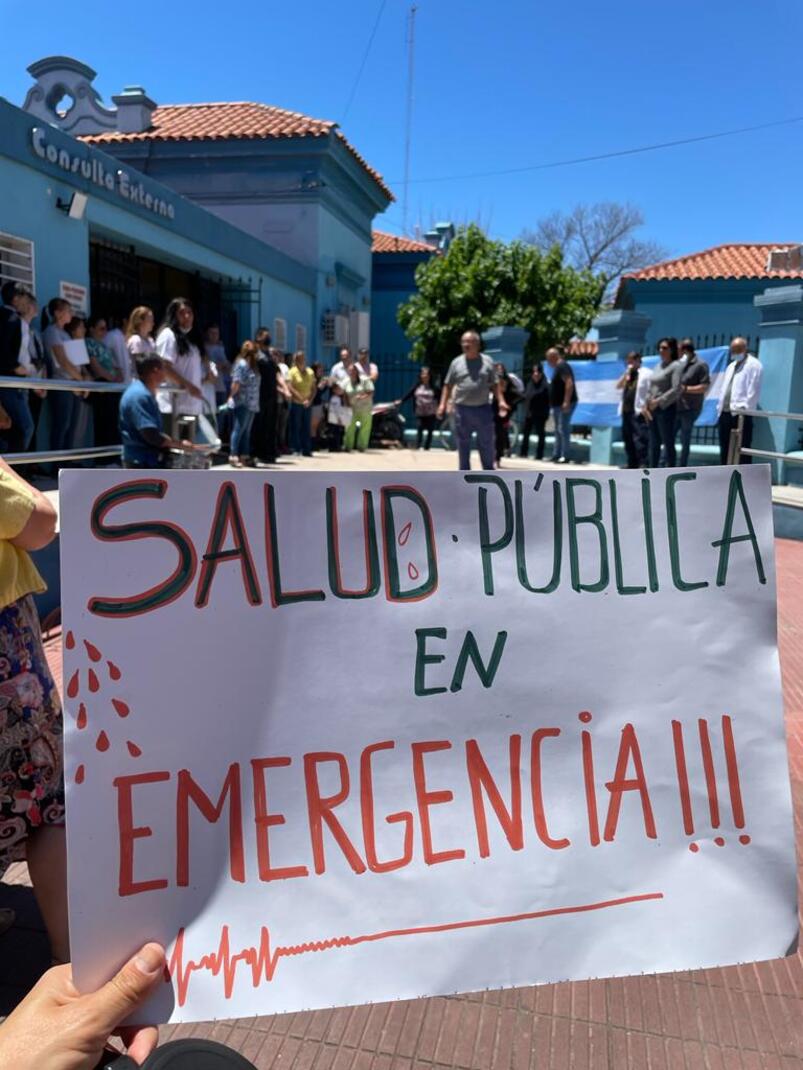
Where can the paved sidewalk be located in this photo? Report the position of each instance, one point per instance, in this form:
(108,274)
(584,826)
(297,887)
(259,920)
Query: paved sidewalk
(747,1017)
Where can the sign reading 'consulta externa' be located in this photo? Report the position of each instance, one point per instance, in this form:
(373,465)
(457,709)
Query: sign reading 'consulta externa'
(92,168)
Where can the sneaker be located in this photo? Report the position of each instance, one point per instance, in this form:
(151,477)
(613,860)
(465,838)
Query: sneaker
(554,459)
(562,460)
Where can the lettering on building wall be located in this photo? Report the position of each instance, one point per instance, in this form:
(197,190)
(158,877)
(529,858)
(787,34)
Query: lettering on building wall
(91,168)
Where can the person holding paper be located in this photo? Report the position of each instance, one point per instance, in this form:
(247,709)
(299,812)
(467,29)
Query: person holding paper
(61,403)
(31,728)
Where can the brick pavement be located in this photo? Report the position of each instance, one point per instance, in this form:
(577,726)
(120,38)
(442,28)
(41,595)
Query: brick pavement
(736,1018)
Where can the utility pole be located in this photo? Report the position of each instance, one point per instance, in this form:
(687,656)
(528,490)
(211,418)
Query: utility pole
(408,125)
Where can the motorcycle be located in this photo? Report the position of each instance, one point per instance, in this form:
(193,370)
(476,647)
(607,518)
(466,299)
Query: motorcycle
(388,424)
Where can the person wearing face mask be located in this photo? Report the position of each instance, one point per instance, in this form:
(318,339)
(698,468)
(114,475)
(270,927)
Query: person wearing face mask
(741,392)
(661,409)
(179,345)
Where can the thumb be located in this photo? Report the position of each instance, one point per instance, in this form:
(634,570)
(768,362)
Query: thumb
(129,988)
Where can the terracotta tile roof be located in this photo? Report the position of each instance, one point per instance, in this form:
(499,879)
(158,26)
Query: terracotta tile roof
(218,122)
(392,243)
(742,260)
(579,348)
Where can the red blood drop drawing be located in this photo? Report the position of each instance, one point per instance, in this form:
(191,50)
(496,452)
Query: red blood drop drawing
(121,707)
(79,775)
(72,686)
(412,571)
(694,847)
(719,841)
(102,742)
(404,534)
(744,840)
(92,650)
(69,642)
(94,683)
(114,672)
(81,719)
(133,749)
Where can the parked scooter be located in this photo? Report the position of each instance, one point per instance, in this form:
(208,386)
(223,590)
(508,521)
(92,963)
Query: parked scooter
(388,424)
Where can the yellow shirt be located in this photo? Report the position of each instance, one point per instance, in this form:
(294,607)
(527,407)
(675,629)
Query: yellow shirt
(18,575)
(302,382)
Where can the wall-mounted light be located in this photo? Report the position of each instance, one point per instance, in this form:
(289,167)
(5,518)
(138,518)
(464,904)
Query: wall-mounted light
(74,207)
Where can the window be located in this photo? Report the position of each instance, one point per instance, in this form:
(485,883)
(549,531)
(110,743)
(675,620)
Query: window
(301,337)
(280,333)
(16,260)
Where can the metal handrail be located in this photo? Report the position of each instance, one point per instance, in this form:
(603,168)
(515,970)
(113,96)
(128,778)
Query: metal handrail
(771,415)
(93,386)
(735,448)
(46,456)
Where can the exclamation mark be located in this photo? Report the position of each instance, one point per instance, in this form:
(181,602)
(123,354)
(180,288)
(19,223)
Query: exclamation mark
(734,785)
(710,772)
(683,778)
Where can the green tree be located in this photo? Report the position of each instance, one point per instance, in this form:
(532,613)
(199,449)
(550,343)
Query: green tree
(480,282)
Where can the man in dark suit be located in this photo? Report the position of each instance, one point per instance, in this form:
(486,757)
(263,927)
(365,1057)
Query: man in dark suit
(15,360)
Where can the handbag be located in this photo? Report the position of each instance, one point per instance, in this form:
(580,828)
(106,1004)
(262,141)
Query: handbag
(339,414)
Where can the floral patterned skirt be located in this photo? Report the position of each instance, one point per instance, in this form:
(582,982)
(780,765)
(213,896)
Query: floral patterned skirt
(31,756)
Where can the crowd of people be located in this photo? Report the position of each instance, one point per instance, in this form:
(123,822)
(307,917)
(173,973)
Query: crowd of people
(658,404)
(266,402)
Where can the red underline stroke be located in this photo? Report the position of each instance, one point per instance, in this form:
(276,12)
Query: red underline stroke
(263,961)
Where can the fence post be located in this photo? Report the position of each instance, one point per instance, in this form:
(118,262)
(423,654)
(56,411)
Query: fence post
(618,332)
(781,333)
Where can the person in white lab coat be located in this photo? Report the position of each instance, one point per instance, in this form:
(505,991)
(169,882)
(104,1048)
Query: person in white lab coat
(741,392)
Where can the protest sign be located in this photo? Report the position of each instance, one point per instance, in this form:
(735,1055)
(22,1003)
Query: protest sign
(335,739)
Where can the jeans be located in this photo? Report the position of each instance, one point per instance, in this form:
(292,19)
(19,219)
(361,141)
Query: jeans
(241,432)
(540,429)
(687,419)
(62,406)
(467,420)
(18,437)
(662,433)
(426,424)
(727,422)
(562,419)
(360,438)
(300,425)
(634,434)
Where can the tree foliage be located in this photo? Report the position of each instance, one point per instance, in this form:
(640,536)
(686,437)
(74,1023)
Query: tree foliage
(480,283)
(599,238)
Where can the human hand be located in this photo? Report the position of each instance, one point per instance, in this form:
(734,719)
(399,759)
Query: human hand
(565,406)
(58,1028)
(441,412)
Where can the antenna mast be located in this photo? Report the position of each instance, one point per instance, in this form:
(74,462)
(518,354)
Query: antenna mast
(409,117)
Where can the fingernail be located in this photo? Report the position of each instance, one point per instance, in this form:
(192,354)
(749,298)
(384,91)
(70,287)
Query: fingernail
(150,960)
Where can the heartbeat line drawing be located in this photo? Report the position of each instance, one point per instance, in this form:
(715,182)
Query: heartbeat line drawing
(263,960)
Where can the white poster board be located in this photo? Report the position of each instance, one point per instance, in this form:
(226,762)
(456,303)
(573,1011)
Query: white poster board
(338,738)
(76,294)
(76,351)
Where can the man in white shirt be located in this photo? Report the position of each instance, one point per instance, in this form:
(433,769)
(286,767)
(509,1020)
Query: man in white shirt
(340,371)
(741,392)
(115,340)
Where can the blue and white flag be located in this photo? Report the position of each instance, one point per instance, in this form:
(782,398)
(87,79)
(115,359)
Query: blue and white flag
(598,404)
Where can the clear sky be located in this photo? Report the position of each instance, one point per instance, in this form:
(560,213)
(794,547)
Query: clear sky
(497,85)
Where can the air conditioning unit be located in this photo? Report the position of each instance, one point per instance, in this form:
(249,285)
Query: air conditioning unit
(334,330)
(789,259)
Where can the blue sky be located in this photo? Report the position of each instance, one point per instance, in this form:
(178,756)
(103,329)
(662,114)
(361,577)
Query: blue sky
(498,85)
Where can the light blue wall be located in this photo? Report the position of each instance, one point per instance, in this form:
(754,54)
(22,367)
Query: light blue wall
(711,311)
(193,239)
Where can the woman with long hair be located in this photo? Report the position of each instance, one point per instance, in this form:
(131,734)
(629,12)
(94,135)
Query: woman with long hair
(139,333)
(179,344)
(61,404)
(662,403)
(244,401)
(425,405)
(359,389)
